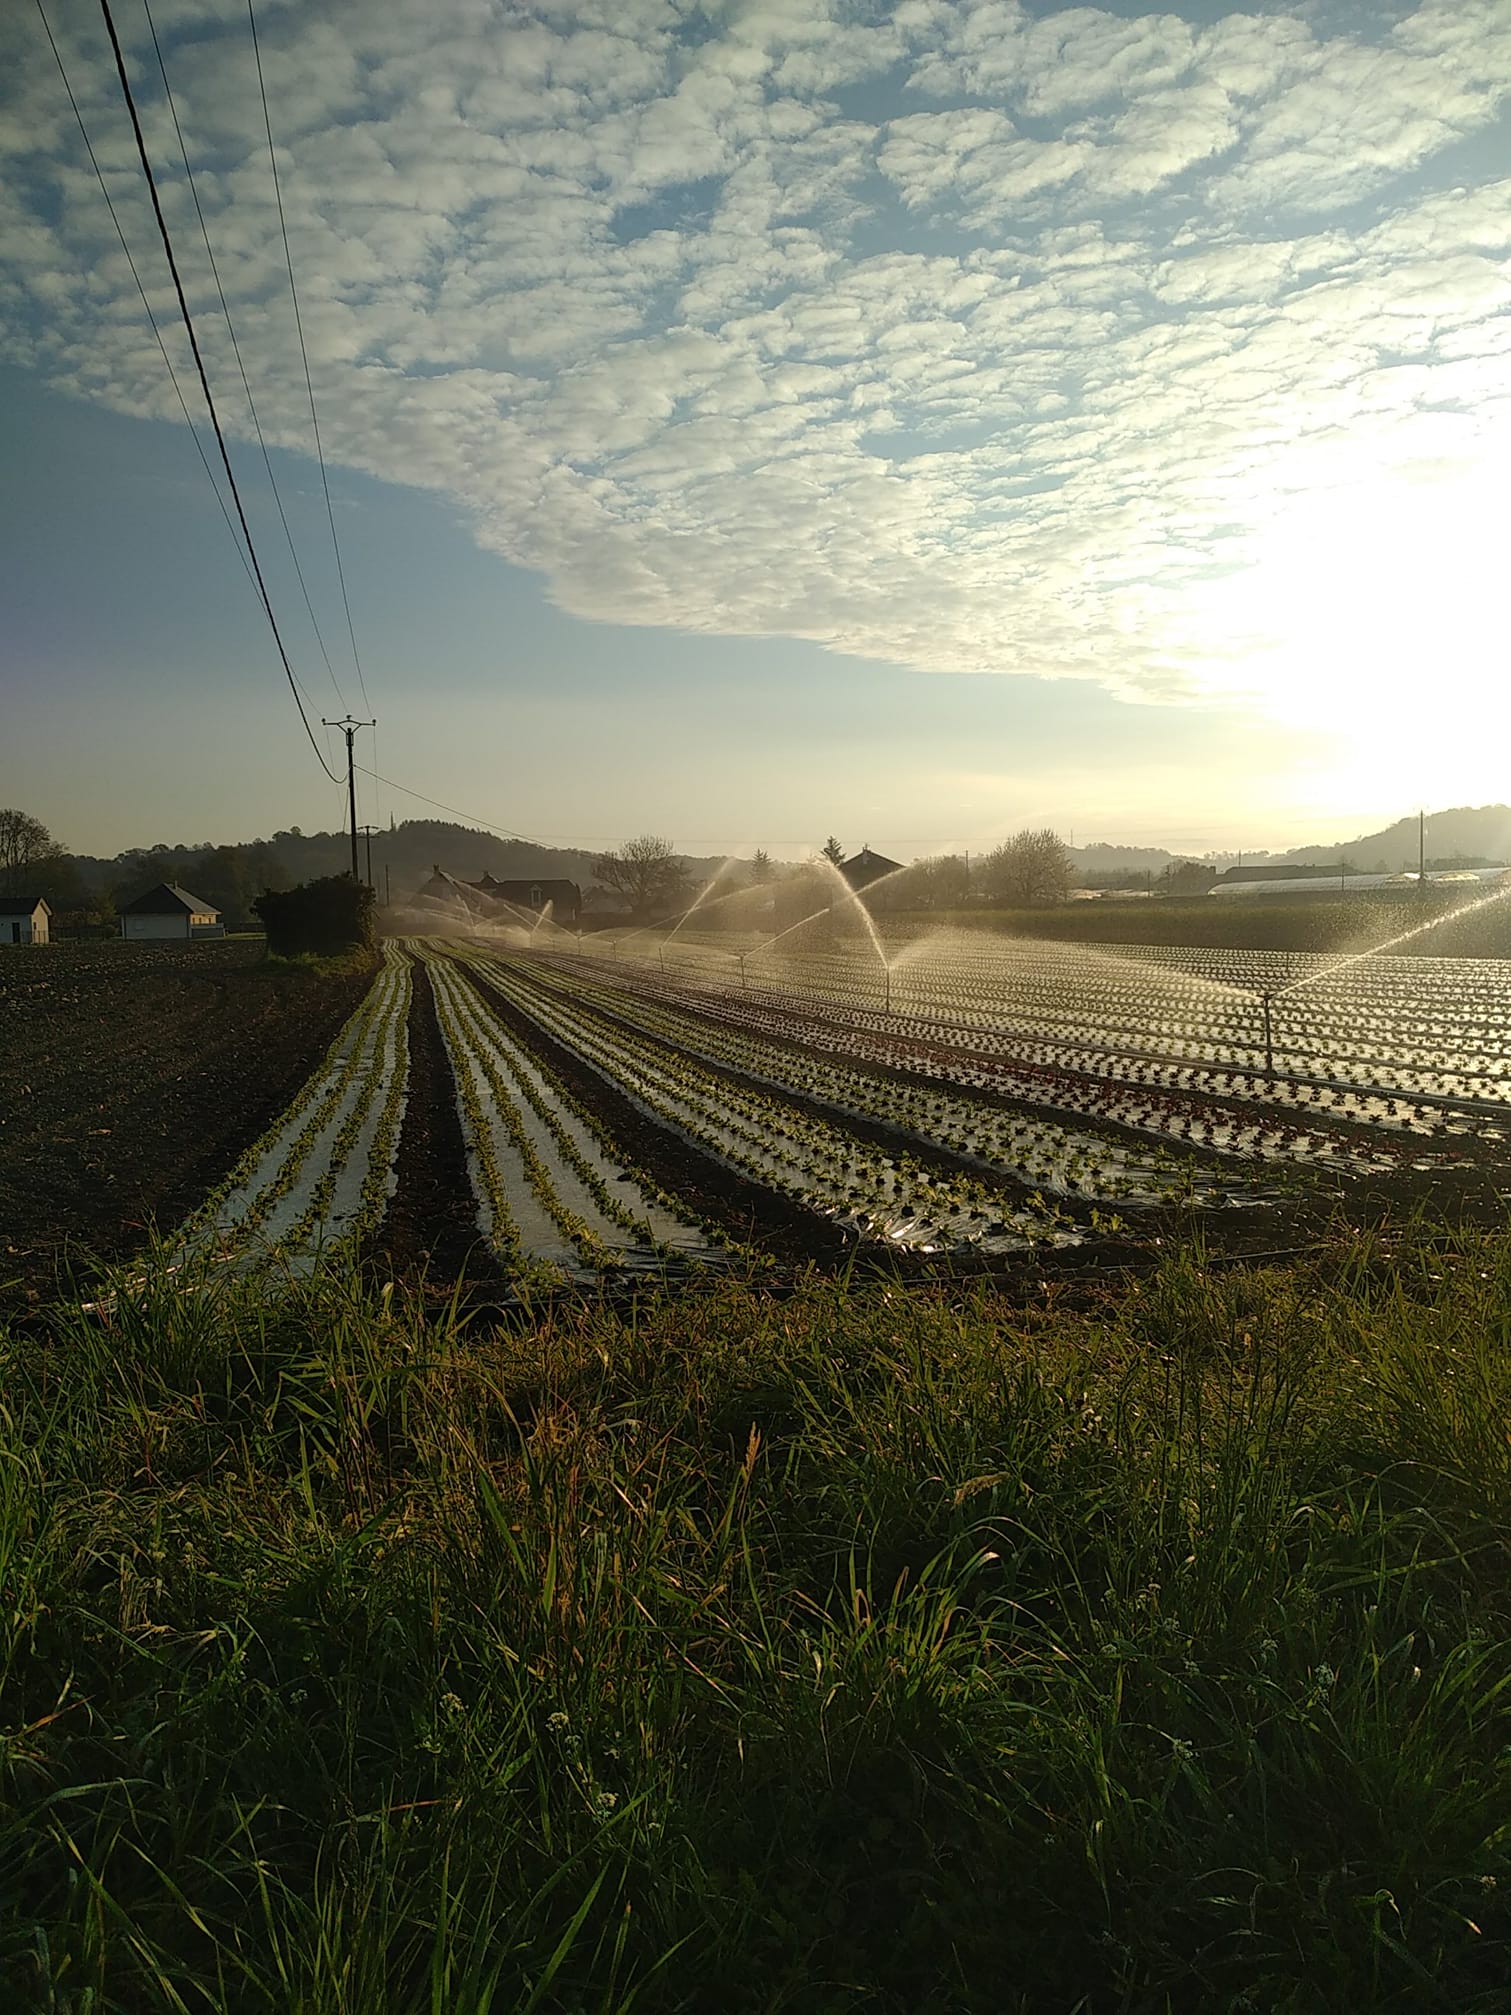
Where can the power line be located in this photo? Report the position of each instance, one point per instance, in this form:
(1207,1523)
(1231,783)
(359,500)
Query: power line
(304,353)
(231,331)
(146,304)
(199,365)
(504,832)
(569,840)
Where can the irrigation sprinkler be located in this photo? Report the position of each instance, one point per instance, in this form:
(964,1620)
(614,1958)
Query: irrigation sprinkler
(1269,1033)
(741,957)
(888,971)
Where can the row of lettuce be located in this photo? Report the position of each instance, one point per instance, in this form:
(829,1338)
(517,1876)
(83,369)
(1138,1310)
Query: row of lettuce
(558,1064)
(1371,1025)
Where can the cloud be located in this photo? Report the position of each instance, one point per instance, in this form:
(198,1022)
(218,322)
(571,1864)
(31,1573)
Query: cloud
(955,335)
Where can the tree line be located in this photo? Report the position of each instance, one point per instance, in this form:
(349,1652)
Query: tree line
(1028,869)
(1031,867)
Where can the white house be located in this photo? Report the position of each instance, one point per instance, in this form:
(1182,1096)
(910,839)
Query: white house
(169,912)
(23,920)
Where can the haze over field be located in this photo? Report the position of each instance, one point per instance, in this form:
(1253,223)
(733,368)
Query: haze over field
(773,419)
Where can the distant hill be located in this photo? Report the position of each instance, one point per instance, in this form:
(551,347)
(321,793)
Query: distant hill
(402,859)
(1478,833)
(404,856)
(1102,858)
(1481,832)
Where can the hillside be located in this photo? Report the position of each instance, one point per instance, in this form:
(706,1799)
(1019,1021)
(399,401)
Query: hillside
(1482,832)
(402,858)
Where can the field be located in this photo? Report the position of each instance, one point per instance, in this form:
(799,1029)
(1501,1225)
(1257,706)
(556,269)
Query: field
(622,1107)
(134,1076)
(671,1473)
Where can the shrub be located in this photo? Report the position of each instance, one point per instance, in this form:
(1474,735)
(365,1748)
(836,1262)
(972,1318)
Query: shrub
(332,915)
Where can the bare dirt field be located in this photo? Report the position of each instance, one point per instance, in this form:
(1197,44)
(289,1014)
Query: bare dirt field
(134,1077)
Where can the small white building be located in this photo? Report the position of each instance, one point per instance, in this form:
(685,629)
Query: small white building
(168,911)
(23,920)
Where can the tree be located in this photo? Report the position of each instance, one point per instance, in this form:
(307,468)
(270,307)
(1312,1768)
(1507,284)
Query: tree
(833,852)
(760,867)
(1034,866)
(645,872)
(25,847)
(325,917)
(938,882)
(1189,878)
(230,877)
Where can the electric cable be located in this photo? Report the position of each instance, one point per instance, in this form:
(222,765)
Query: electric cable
(304,353)
(146,304)
(504,832)
(236,347)
(199,364)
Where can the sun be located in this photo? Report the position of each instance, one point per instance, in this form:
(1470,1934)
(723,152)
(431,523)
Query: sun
(1372,616)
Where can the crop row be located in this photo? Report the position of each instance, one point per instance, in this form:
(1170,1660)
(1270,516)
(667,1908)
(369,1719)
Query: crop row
(873,1191)
(1207,1109)
(926,1108)
(1085,1049)
(323,1172)
(1408,1025)
(552,1200)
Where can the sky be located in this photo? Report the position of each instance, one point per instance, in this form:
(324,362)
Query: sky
(752,422)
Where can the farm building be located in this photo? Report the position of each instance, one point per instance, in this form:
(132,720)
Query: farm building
(23,920)
(810,893)
(495,902)
(563,898)
(866,867)
(168,911)
(1287,882)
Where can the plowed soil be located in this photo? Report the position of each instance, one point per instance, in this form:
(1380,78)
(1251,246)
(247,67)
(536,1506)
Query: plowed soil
(133,1078)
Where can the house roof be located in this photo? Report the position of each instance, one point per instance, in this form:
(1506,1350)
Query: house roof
(866,867)
(168,900)
(554,887)
(23,906)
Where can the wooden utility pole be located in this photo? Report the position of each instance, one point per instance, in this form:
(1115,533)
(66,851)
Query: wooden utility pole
(349,728)
(369,831)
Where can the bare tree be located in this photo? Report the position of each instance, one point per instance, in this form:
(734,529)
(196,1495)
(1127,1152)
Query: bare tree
(833,852)
(25,846)
(1034,866)
(645,872)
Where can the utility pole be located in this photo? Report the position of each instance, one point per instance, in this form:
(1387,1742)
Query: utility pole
(349,728)
(369,831)
(1421,853)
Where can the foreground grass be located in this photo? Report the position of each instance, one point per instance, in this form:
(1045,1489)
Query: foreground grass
(862,1649)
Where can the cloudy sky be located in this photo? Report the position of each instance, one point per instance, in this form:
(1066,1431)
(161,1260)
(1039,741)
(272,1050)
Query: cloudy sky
(758,420)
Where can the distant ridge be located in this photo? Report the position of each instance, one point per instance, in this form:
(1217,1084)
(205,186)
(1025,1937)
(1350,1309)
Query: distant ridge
(404,856)
(1482,831)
